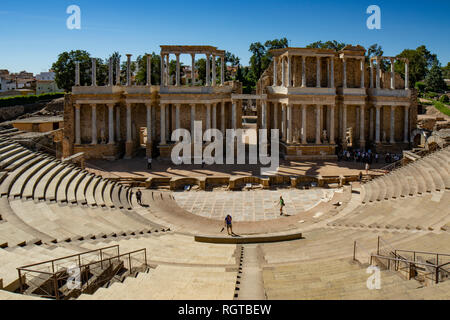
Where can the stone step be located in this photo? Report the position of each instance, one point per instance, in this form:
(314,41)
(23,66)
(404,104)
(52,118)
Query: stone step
(63,189)
(73,186)
(51,190)
(42,185)
(32,183)
(19,185)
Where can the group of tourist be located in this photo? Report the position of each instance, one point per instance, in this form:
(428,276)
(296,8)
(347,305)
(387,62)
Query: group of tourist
(367,156)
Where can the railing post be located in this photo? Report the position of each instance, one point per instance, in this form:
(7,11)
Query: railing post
(20,281)
(378,246)
(437,275)
(129,261)
(55,284)
(437,259)
(354,251)
(101,259)
(145,256)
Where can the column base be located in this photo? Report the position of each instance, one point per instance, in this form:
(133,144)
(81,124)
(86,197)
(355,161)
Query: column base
(149,150)
(129,146)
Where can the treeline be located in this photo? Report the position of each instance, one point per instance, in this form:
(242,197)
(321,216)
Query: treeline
(19,100)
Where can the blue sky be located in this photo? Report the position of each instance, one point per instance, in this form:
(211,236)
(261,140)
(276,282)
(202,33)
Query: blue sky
(33,33)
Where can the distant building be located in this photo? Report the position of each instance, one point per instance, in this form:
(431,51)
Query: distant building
(45,83)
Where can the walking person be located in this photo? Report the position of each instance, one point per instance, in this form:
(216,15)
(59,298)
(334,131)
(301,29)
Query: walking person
(149,163)
(139,197)
(228,225)
(281,205)
(367,168)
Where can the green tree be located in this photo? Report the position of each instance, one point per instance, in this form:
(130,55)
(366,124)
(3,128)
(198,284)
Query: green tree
(200,65)
(64,69)
(334,45)
(434,81)
(446,71)
(420,60)
(141,75)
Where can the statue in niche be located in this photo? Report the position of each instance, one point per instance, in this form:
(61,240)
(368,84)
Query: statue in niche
(324,135)
(384,136)
(102,136)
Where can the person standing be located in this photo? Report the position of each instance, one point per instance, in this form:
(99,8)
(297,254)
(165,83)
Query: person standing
(149,163)
(281,205)
(139,197)
(228,224)
(367,168)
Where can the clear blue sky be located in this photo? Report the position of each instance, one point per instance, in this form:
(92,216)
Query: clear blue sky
(33,33)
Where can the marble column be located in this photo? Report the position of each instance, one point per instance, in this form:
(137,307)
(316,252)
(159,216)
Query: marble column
(129,137)
(289,125)
(214,116)
(318,126)
(371,73)
(406,126)
(214,76)
(177,116)
(406,76)
(77,124)
(275,115)
(163,124)
(149,122)
(304,141)
(392,75)
(128,69)
(77,73)
(233,114)
(222,117)
(377,83)
(318,72)
(94,72)
(362,139)
(371,124)
(344,122)
(163,72)
(283,77)
(289,71)
(344,62)
(118,123)
(332,72)
(284,122)
(208,116)
(264,115)
(177,73)
(392,128)
(111,123)
(377,124)
(331,133)
(208,70)
(222,70)
(110,73)
(303,72)
(275,76)
(94,124)
(167,69)
(362,72)
(193,69)
(192,118)
(149,70)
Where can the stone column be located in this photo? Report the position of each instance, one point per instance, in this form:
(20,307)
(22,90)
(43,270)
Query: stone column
(318,72)
(118,72)
(167,69)
(328,73)
(344,122)
(289,125)
(163,124)
(392,128)
(344,62)
(283,77)
(94,72)
(377,124)
(149,122)
(94,123)
(128,69)
(214,116)
(371,73)
(284,121)
(371,124)
(222,117)
(129,137)
(275,115)
(177,116)
(177,80)
(163,72)
(362,72)
(304,124)
(318,127)
(149,70)
(406,126)
(233,114)
(332,72)
(406,75)
(193,69)
(264,114)
(192,118)
(118,123)
(110,73)
(208,70)
(77,73)
(208,116)
(275,76)
(289,71)
(392,75)
(377,83)
(214,70)
(303,72)
(331,133)
(77,124)
(222,70)
(362,139)
(111,123)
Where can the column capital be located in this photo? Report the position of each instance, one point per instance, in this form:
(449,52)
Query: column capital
(148,105)
(128,105)
(93,105)
(111,105)
(77,106)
